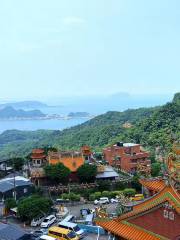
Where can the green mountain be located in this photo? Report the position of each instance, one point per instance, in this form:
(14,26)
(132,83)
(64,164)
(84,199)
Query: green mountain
(10,112)
(151,127)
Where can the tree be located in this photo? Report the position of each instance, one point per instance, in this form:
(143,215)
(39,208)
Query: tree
(32,207)
(155,169)
(17,163)
(58,172)
(87,173)
(135,182)
(10,203)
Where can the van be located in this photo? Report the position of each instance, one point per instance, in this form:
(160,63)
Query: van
(46,237)
(137,197)
(62,233)
(37,221)
(69,218)
(73,227)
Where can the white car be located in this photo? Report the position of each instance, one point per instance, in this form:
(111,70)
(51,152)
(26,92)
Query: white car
(114,200)
(102,200)
(37,221)
(48,221)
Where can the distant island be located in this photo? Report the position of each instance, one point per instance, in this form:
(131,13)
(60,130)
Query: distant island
(24,104)
(10,113)
(78,114)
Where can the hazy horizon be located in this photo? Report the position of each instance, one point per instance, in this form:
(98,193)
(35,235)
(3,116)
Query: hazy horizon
(67,48)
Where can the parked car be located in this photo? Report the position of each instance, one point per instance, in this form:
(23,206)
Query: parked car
(102,200)
(114,200)
(38,233)
(48,221)
(37,221)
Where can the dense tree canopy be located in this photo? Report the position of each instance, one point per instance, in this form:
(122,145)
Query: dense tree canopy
(87,173)
(57,172)
(155,169)
(33,207)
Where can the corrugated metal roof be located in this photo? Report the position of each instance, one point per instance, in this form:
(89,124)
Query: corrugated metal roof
(11,232)
(8,183)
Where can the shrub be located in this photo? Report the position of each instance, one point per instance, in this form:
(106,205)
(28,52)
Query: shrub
(128,192)
(106,194)
(92,197)
(115,193)
(74,197)
(65,196)
(97,195)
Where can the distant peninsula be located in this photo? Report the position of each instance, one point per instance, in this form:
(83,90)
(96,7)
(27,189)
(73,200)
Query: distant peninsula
(8,113)
(78,114)
(24,104)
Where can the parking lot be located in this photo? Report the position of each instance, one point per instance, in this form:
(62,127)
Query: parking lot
(74,210)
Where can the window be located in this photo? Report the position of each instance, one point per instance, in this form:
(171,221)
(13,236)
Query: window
(166,214)
(38,162)
(55,233)
(62,226)
(134,160)
(171,215)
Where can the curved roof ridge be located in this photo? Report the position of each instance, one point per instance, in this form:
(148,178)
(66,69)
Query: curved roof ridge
(166,194)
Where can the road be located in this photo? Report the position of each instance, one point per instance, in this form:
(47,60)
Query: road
(75,210)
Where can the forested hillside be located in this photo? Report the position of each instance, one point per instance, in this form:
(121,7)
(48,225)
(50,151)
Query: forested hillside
(150,126)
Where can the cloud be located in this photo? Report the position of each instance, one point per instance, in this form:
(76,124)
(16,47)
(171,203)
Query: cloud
(73,21)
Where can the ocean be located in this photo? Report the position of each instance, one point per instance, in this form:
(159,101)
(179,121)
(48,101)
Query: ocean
(32,125)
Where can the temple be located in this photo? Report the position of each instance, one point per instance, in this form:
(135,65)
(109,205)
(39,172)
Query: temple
(38,157)
(158,217)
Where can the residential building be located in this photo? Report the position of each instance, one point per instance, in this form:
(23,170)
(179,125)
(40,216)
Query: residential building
(106,173)
(128,157)
(16,187)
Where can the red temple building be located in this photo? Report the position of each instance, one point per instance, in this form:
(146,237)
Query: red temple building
(158,217)
(128,157)
(38,157)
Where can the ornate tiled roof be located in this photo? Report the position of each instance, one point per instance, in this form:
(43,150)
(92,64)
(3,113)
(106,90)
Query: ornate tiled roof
(121,227)
(128,231)
(167,194)
(153,184)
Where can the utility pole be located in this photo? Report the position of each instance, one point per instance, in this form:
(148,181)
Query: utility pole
(14,176)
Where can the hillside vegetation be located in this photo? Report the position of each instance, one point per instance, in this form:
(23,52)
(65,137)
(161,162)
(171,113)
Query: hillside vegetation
(150,126)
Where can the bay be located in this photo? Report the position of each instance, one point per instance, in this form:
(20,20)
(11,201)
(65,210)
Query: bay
(32,125)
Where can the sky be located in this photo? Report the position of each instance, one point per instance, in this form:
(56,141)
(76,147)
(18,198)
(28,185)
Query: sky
(55,48)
